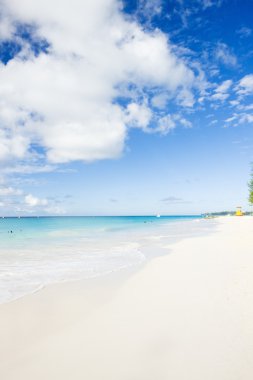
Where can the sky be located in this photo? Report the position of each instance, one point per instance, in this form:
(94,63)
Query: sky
(130,107)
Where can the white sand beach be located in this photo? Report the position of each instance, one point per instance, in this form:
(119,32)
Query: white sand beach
(184,316)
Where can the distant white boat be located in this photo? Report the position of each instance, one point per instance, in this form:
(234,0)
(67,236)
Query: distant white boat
(158,215)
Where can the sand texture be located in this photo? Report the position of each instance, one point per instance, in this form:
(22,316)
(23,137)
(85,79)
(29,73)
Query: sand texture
(184,316)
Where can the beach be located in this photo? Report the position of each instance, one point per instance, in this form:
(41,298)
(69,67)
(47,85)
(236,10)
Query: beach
(187,315)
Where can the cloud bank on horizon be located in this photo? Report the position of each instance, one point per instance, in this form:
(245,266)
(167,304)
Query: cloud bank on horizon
(76,77)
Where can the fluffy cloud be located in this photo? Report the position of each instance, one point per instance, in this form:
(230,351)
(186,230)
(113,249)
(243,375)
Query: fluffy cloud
(224,86)
(15,201)
(32,201)
(149,9)
(6,28)
(224,55)
(138,115)
(245,85)
(249,107)
(160,100)
(241,118)
(221,91)
(246,118)
(166,124)
(169,122)
(65,99)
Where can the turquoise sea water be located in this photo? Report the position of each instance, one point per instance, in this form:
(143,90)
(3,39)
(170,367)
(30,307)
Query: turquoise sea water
(22,232)
(35,252)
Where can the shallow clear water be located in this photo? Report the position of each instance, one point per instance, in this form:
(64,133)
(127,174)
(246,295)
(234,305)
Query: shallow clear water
(24,232)
(35,252)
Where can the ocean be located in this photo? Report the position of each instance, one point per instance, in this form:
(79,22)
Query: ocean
(38,251)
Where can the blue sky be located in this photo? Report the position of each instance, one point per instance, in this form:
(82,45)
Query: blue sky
(133,107)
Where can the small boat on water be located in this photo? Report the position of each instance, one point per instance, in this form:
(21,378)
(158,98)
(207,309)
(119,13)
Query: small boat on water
(158,215)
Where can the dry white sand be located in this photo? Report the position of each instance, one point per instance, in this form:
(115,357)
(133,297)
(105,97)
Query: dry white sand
(184,316)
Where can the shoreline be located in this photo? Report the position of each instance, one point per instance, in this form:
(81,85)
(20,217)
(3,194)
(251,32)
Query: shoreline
(185,315)
(124,251)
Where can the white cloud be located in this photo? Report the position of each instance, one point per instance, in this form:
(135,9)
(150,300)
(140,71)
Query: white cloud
(32,201)
(220,96)
(65,101)
(221,91)
(240,118)
(246,118)
(244,31)
(149,9)
(234,103)
(213,122)
(185,98)
(6,191)
(185,123)
(248,107)
(210,3)
(224,86)
(160,100)
(245,85)
(6,26)
(166,124)
(138,115)
(225,55)
(29,169)
(12,144)
(15,201)
(231,118)
(170,122)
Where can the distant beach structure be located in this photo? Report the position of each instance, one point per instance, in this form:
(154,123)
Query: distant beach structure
(239,211)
